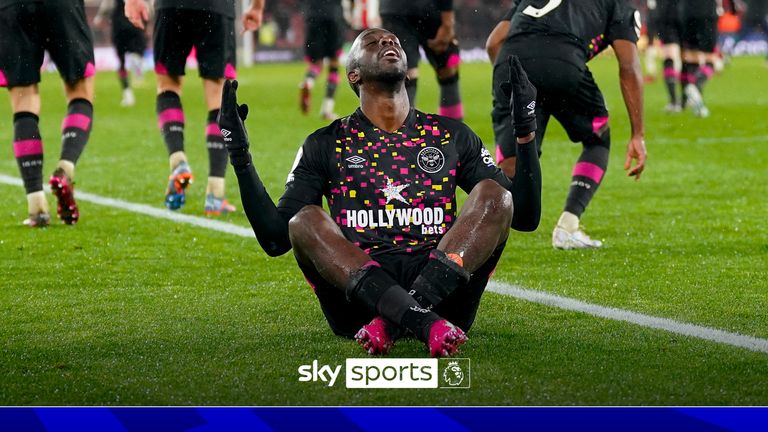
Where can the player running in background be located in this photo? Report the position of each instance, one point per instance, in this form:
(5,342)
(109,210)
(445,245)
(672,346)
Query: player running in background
(652,20)
(209,27)
(670,34)
(429,24)
(555,40)
(27,29)
(324,29)
(699,40)
(392,245)
(129,42)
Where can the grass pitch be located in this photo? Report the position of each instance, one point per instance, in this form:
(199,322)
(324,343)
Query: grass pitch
(131,310)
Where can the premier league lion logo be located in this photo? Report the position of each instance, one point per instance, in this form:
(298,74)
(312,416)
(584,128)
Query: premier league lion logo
(452,374)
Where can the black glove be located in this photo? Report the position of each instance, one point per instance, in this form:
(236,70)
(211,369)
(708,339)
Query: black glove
(522,98)
(231,117)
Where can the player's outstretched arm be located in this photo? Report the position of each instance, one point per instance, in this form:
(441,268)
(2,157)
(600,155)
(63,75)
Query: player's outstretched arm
(270,227)
(631,78)
(526,186)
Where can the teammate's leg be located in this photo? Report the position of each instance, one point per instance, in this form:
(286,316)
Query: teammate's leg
(75,133)
(318,243)
(314,67)
(326,109)
(215,203)
(671,53)
(122,73)
(28,150)
(450,98)
(73,56)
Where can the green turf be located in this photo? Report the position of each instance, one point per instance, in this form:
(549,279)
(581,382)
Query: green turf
(127,309)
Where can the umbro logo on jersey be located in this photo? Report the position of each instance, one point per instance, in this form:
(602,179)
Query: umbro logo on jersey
(532,107)
(355,162)
(225,133)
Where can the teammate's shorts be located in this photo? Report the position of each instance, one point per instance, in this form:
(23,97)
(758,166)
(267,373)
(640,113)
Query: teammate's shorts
(652,24)
(346,317)
(565,90)
(128,39)
(211,34)
(415,31)
(700,34)
(669,30)
(324,38)
(27,30)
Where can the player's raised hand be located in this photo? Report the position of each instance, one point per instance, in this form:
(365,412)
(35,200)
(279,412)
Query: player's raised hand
(635,152)
(231,117)
(522,98)
(137,12)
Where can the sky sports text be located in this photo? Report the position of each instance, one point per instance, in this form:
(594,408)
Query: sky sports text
(392,373)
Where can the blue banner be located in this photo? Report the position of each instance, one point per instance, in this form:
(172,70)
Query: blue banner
(381,419)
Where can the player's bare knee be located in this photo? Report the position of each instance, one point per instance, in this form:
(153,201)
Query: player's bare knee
(307,223)
(495,200)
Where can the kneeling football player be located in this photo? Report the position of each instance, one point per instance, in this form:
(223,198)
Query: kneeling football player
(393,257)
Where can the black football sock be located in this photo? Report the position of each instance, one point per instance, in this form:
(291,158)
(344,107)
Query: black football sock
(28,149)
(450,99)
(703,74)
(170,117)
(122,74)
(437,280)
(670,79)
(217,153)
(410,88)
(333,83)
(588,172)
(76,129)
(312,72)
(378,291)
(687,76)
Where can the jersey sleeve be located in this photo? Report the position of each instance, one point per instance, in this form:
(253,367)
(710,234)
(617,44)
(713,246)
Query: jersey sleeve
(476,162)
(306,182)
(513,8)
(624,23)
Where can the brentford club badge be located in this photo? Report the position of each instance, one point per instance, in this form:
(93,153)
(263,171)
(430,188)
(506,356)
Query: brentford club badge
(431,160)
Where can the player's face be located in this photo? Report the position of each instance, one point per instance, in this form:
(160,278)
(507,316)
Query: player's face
(382,54)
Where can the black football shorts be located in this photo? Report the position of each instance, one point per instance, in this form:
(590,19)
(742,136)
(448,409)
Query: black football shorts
(415,31)
(212,35)
(27,30)
(565,90)
(700,34)
(324,38)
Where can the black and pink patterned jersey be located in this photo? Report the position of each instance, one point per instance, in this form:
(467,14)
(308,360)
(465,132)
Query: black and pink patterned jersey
(389,192)
(589,26)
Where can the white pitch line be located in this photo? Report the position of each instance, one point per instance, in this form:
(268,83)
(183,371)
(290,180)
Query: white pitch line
(155,212)
(540,297)
(672,326)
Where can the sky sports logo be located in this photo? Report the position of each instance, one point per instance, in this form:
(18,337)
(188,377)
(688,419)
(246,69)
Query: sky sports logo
(392,373)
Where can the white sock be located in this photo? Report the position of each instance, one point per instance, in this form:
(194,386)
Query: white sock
(568,221)
(68,167)
(176,158)
(215,187)
(36,203)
